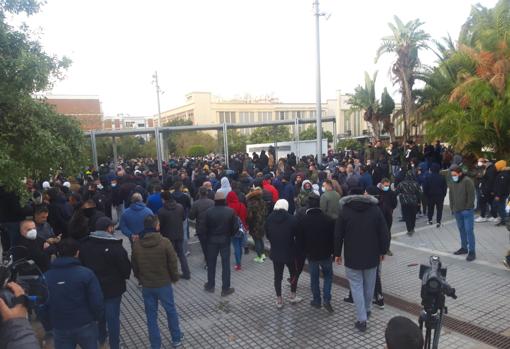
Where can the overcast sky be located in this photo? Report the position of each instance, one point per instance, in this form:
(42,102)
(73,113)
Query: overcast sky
(228,47)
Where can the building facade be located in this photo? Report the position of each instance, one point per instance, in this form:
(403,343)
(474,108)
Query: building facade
(123,121)
(86,109)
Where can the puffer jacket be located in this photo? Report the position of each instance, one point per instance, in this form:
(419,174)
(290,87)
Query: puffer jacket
(302,200)
(256,213)
(409,191)
(502,183)
(238,207)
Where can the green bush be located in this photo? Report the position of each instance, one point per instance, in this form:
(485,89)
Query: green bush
(349,144)
(197,150)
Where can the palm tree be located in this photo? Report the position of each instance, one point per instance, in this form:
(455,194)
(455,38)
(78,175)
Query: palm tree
(375,112)
(406,41)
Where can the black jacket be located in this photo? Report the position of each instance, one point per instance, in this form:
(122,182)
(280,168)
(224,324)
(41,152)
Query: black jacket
(434,186)
(197,213)
(502,183)
(361,231)
(487,180)
(59,216)
(315,235)
(33,249)
(281,230)
(170,217)
(105,255)
(221,224)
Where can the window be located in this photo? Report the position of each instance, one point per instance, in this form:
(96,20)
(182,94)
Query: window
(283,115)
(246,117)
(228,117)
(347,121)
(263,116)
(298,114)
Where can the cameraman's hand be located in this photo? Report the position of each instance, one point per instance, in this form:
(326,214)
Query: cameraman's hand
(338,260)
(19,311)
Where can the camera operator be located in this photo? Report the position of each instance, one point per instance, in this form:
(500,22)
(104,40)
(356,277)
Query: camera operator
(15,330)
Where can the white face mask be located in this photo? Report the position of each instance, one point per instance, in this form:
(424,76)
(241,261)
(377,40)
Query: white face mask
(32,234)
(480,164)
(100,186)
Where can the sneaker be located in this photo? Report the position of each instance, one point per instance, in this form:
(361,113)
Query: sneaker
(315,305)
(263,256)
(379,302)
(295,300)
(329,308)
(500,223)
(481,220)
(208,288)
(506,262)
(410,233)
(188,254)
(185,277)
(227,292)
(460,251)
(237,267)
(492,219)
(471,256)
(362,326)
(178,343)
(257,259)
(349,300)
(430,223)
(438,225)
(497,221)
(389,253)
(279,304)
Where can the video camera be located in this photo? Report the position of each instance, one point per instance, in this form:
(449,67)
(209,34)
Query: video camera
(434,290)
(14,267)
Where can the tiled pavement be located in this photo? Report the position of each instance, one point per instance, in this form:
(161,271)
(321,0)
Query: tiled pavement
(249,319)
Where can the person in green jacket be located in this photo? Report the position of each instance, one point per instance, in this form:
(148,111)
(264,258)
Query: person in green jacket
(330,200)
(462,204)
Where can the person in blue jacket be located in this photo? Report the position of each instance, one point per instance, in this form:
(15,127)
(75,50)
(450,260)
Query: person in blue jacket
(131,221)
(75,302)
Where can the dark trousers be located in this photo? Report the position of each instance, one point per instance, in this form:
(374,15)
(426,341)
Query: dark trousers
(179,250)
(378,285)
(409,212)
(212,255)
(438,204)
(203,244)
(487,200)
(278,276)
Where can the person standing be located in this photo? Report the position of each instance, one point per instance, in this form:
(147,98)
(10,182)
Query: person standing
(501,190)
(409,193)
(315,237)
(75,300)
(238,239)
(330,200)
(221,224)
(182,197)
(281,229)
(257,211)
(462,204)
(435,189)
(131,221)
(155,266)
(197,213)
(103,253)
(486,189)
(171,216)
(362,233)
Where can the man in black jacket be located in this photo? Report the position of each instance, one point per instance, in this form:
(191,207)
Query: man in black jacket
(363,234)
(197,213)
(486,189)
(221,224)
(102,252)
(171,216)
(35,248)
(435,189)
(315,239)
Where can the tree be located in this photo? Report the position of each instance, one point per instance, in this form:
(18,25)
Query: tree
(375,112)
(310,133)
(236,142)
(270,134)
(349,144)
(197,150)
(406,41)
(35,141)
(171,137)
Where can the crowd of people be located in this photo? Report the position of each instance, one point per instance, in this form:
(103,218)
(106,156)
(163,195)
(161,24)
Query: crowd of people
(339,211)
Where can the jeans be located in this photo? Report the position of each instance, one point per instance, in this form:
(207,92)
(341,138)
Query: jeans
(278,276)
(484,201)
(259,246)
(395,170)
(500,208)
(409,213)
(238,244)
(465,222)
(165,295)
(119,209)
(86,337)
(327,270)
(178,247)
(437,203)
(185,226)
(212,254)
(362,284)
(112,321)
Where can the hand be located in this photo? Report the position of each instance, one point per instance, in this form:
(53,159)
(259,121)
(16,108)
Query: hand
(19,311)
(46,245)
(338,260)
(135,237)
(382,258)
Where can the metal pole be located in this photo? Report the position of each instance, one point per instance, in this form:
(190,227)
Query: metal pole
(318,106)
(334,136)
(94,149)
(298,150)
(225,145)
(158,91)
(158,151)
(296,135)
(115,157)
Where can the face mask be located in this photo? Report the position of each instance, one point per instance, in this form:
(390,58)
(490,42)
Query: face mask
(455,178)
(386,188)
(100,187)
(114,185)
(323,189)
(32,234)
(88,212)
(480,164)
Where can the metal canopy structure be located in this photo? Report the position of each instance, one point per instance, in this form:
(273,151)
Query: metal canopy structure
(157,131)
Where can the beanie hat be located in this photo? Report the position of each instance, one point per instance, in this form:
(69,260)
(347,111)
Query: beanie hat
(281,204)
(500,165)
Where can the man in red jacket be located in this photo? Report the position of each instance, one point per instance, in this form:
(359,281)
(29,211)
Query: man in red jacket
(269,187)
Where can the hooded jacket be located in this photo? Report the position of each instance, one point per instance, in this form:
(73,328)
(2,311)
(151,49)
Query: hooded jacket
(315,234)
(487,180)
(154,261)
(409,191)
(361,231)
(197,212)
(304,193)
(330,204)
(104,255)
(462,194)
(225,186)
(281,230)
(269,187)
(75,297)
(256,213)
(131,221)
(502,183)
(171,216)
(239,208)
(434,186)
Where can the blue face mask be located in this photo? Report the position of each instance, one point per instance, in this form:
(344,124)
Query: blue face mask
(386,188)
(455,178)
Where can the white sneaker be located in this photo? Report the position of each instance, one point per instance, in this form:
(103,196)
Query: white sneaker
(295,300)
(497,221)
(481,220)
(492,219)
(279,305)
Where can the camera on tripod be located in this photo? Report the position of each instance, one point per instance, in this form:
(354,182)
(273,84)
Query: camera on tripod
(434,290)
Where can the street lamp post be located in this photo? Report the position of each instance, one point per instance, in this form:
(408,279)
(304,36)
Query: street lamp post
(318,106)
(160,141)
